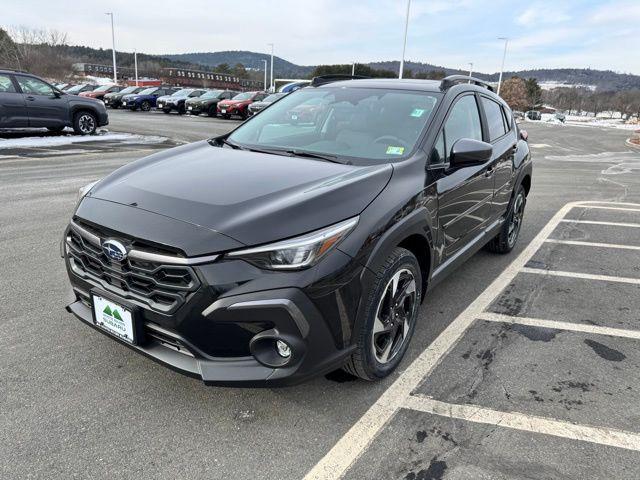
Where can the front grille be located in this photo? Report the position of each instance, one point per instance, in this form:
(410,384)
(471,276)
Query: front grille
(163,288)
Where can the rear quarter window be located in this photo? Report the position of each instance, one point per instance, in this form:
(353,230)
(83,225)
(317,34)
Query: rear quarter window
(495,119)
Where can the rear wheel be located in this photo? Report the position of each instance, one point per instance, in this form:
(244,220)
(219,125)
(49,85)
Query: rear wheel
(145,106)
(84,123)
(391,311)
(510,230)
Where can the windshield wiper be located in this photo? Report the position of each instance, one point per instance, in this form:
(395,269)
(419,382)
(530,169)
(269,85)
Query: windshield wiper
(233,145)
(307,154)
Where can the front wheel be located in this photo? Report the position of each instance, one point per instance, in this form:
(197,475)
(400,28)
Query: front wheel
(145,106)
(510,230)
(84,123)
(391,311)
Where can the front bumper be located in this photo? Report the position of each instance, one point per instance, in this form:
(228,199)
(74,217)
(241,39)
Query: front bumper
(225,331)
(103,119)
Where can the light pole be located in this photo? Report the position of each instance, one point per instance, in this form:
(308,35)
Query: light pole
(404,45)
(113,48)
(271,83)
(504,55)
(353,69)
(265,75)
(135,64)
(470,70)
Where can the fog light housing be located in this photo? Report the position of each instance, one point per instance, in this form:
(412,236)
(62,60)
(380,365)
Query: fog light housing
(284,350)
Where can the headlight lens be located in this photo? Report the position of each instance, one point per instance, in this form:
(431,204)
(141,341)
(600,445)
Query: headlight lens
(84,190)
(299,252)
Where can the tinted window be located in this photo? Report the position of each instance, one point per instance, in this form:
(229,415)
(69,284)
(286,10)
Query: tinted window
(507,117)
(6,85)
(33,86)
(463,122)
(495,120)
(438,154)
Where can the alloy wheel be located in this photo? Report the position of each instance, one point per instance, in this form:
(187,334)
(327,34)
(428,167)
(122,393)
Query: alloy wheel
(394,316)
(516,219)
(86,123)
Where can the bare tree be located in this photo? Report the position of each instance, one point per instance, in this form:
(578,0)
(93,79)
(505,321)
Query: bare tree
(38,51)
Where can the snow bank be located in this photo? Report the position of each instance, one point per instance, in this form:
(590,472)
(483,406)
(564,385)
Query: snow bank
(35,142)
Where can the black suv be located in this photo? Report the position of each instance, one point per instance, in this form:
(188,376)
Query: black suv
(27,101)
(287,249)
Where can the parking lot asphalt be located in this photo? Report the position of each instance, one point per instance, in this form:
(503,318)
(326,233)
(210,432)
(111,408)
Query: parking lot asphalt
(555,318)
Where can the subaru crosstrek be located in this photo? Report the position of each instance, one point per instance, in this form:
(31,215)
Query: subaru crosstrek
(285,250)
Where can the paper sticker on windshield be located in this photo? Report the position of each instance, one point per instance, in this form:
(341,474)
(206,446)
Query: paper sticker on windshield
(391,150)
(417,112)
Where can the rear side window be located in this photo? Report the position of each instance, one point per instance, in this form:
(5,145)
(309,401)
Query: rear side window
(507,117)
(495,119)
(463,122)
(6,85)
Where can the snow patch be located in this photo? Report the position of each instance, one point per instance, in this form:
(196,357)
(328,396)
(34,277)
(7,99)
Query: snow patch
(122,138)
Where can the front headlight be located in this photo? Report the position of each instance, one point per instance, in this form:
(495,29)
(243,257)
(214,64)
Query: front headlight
(299,252)
(84,190)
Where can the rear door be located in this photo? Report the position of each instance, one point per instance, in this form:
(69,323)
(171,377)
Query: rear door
(13,109)
(44,107)
(464,194)
(504,140)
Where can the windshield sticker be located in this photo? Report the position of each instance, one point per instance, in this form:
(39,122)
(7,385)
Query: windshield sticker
(417,112)
(391,150)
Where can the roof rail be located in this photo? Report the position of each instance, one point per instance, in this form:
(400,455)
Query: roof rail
(323,79)
(14,70)
(452,80)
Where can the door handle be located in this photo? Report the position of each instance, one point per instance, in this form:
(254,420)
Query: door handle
(490,170)
(30,98)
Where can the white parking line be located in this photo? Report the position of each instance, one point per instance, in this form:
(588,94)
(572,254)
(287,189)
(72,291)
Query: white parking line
(558,325)
(354,442)
(603,207)
(592,244)
(596,222)
(528,423)
(585,276)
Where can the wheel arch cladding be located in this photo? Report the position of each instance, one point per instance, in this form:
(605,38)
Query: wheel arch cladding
(526,183)
(419,246)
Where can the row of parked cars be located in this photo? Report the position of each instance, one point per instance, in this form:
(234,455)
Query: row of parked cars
(194,101)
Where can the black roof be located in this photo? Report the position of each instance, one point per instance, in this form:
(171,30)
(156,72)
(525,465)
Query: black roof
(395,83)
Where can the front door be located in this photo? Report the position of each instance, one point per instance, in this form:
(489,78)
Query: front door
(465,194)
(13,111)
(45,108)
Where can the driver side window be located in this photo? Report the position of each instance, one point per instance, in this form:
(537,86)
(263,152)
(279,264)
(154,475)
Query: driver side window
(32,86)
(463,122)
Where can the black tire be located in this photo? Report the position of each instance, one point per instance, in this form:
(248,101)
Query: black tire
(55,129)
(368,361)
(145,106)
(166,110)
(213,111)
(243,115)
(510,230)
(226,116)
(114,106)
(85,123)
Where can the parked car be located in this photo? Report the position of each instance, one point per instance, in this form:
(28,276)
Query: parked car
(518,115)
(68,86)
(101,91)
(28,101)
(533,115)
(146,99)
(293,86)
(114,100)
(560,117)
(256,107)
(306,112)
(78,89)
(62,86)
(177,100)
(208,102)
(239,104)
(281,251)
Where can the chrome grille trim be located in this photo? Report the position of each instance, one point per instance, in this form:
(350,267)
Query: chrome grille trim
(143,255)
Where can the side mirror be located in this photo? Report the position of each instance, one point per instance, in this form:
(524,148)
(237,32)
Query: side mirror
(524,135)
(467,152)
(57,93)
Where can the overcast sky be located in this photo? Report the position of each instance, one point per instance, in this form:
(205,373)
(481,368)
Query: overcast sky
(599,34)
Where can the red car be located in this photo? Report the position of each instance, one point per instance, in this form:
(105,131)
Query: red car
(100,92)
(239,105)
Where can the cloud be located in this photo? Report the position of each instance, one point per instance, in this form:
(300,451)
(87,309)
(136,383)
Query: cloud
(542,14)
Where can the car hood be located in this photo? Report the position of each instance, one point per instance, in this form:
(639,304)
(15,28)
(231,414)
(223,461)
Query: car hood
(234,102)
(251,197)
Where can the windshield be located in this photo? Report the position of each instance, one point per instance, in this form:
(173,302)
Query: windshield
(148,91)
(243,96)
(182,93)
(366,123)
(103,88)
(211,94)
(129,90)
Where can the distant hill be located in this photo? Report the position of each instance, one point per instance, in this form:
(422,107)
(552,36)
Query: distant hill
(281,67)
(601,79)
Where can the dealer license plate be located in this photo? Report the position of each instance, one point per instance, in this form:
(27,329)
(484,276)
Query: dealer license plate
(114,318)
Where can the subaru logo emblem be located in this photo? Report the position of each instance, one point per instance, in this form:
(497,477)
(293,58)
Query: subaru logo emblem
(114,250)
